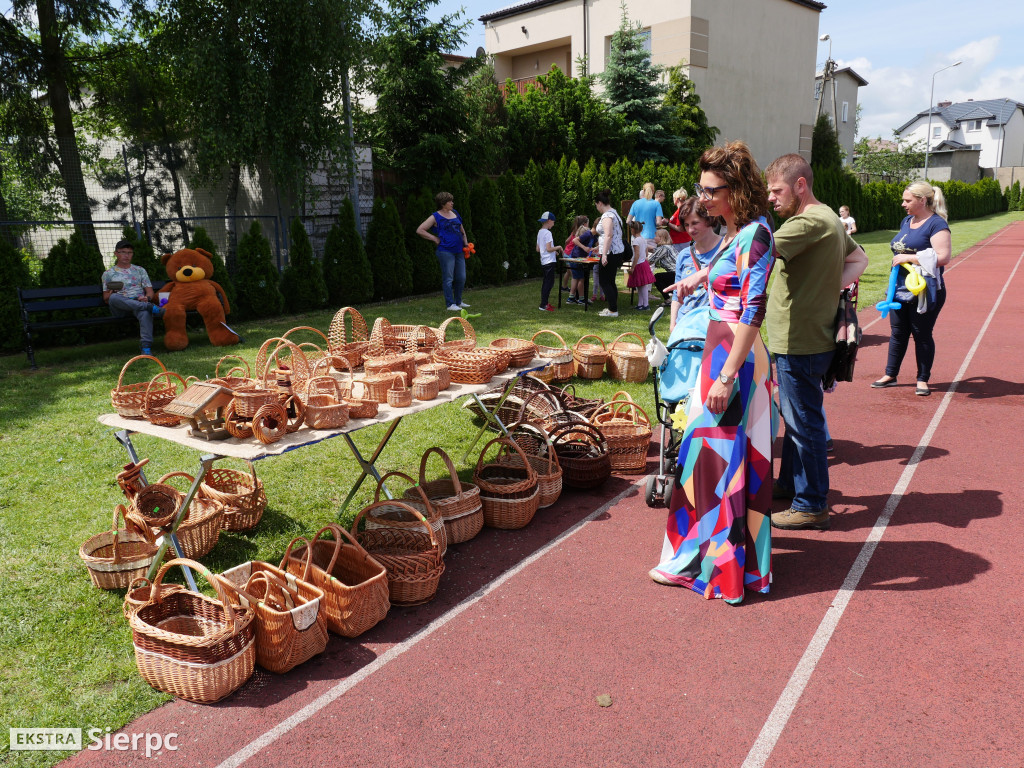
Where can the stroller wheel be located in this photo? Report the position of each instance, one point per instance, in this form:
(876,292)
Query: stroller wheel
(666,491)
(652,497)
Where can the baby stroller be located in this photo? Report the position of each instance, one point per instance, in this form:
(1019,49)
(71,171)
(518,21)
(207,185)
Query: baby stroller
(674,378)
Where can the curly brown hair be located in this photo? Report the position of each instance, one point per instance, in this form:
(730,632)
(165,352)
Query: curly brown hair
(748,194)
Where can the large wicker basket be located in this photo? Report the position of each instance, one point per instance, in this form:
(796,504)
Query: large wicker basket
(199,530)
(542,458)
(192,646)
(348,343)
(468,340)
(509,492)
(241,494)
(521,350)
(117,557)
(627,360)
(459,503)
(129,399)
(397,516)
(290,624)
(384,340)
(412,558)
(559,356)
(590,358)
(466,366)
(627,429)
(582,453)
(355,585)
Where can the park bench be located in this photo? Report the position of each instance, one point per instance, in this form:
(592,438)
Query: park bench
(33,302)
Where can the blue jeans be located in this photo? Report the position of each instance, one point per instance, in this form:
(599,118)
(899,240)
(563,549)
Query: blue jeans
(804,467)
(453,276)
(143,311)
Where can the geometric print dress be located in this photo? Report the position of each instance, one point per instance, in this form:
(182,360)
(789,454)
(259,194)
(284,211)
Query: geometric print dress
(718,540)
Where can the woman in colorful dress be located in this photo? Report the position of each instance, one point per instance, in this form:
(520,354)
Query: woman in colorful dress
(718,538)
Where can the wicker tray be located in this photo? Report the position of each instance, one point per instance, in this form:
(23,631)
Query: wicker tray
(522,351)
(466,366)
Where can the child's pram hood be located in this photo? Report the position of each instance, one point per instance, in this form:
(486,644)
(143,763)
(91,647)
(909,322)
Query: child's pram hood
(678,372)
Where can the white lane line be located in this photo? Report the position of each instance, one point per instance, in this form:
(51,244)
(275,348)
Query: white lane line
(964,256)
(254,747)
(776,722)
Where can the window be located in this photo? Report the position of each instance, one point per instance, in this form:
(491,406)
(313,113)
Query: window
(817,89)
(645,39)
(974,125)
(936,132)
(846,111)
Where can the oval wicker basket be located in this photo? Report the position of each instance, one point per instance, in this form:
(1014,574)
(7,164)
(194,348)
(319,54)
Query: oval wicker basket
(559,357)
(200,528)
(459,503)
(129,399)
(440,371)
(627,361)
(349,343)
(384,340)
(510,493)
(590,359)
(425,387)
(241,494)
(466,366)
(117,557)
(502,357)
(157,504)
(403,362)
(582,453)
(522,351)
(325,408)
(543,459)
(627,428)
(469,335)
(397,516)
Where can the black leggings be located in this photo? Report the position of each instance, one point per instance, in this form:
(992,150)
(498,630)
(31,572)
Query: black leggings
(607,275)
(906,322)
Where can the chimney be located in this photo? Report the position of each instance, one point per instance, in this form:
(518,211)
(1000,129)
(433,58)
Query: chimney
(944,104)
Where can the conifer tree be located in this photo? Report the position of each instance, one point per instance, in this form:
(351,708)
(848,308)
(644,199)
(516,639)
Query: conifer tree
(551,200)
(259,282)
(200,239)
(516,242)
(825,149)
(13,275)
(426,270)
(686,118)
(385,248)
(302,281)
(347,271)
(533,207)
(491,247)
(71,262)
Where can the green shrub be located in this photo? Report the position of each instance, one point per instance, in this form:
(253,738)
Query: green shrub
(551,200)
(302,282)
(517,245)
(491,249)
(258,283)
(385,247)
(533,207)
(347,271)
(71,262)
(1014,198)
(200,239)
(426,270)
(14,274)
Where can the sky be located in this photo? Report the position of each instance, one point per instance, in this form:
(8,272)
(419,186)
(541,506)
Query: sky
(896,47)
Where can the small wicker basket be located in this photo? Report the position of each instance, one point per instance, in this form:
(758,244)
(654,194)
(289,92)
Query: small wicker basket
(627,429)
(425,387)
(117,557)
(440,370)
(200,528)
(155,400)
(559,357)
(241,494)
(590,358)
(325,408)
(129,399)
(399,396)
(627,360)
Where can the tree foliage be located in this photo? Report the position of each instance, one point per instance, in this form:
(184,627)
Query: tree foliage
(347,270)
(686,118)
(13,275)
(882,163)
(825,149)
(72,262)
(426,270)
(491,247)
(385,247)
(257,280)
(302,282)
(517,246)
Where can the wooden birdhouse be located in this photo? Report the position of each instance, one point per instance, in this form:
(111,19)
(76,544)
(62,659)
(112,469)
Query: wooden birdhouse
(204,404)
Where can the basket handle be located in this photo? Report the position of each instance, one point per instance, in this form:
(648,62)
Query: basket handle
(412,484)
(592,433)
(149,387)
(216,371)
(394,502)
(615,406)
(553,333)
(398,382)
(305,328)
(627,333)
(543,393)
(552,459)
(215,581)
(467,329)
(591,336)
(309,554)
(621,396)
(510,445)
(134,359)
(270,581)
(358,322)
(456,483)
(313,387)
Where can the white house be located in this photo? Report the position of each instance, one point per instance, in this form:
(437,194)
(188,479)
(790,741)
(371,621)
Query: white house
(731,48)
(842,108)
(994,128)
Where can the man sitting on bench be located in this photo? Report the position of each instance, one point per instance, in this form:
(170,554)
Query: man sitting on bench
(128,291)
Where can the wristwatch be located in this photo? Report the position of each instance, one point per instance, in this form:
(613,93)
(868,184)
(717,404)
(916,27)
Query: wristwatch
(725,379)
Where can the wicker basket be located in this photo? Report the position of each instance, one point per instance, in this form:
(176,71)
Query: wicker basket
(590,358)
(117,557)
(466,366)
(522,351)
(582,452)
(129,399)
(360,408)
(542,459)
(155,400)
(559,357)
(425,387)
(627,361)
(582,405)
(282,366)
(247,401)
(416,338)
(399,363)
(502,357)
(241,494)
(355,585)
(399,396)
(509,492)
(627,428)
(192,646)
(129,480)
(350,344)
(325,408)
(157,504)
(412,558)
(458,503)
(545,375)
(290,625)
(439,370)
(384,340)
(397,516)
(469,335)
(375,386)
(139,593)
(199,530)
(235,376)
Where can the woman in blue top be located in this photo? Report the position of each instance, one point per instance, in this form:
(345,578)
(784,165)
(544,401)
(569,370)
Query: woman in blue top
(450,239)
(703,247)
(924,241)
(646,210)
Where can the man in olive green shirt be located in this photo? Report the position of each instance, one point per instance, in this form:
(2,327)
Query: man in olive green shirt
(817,258)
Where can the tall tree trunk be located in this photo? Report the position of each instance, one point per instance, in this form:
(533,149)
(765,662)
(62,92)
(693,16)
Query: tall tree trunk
(230,211)
(55,66)
(5,231)
(179,209)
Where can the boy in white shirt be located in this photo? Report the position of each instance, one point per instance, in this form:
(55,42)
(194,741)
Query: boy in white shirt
(549,253)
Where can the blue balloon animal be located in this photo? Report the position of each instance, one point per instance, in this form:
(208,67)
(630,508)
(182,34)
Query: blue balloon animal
(885,306)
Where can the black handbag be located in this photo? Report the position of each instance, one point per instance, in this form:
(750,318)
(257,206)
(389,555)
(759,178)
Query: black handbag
(848,335)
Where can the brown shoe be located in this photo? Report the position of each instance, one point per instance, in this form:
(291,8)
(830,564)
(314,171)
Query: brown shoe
(797,519)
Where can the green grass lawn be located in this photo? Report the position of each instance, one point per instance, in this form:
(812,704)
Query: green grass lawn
(66,649)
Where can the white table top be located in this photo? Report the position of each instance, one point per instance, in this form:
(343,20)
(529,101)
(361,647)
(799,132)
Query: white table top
(254,450)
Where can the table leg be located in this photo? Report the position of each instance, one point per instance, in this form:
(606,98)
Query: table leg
(586,287)
(368,465)
(489,418)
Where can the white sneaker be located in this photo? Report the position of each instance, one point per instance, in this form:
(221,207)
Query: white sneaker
(454,308)
(607,313)
(464,305)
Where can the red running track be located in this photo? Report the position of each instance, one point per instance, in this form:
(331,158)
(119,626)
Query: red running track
(890,640)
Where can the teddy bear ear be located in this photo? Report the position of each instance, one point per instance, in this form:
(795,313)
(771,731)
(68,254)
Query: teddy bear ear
(207,254)
(165,258)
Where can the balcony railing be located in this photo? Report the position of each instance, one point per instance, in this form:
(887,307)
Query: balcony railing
(520,84)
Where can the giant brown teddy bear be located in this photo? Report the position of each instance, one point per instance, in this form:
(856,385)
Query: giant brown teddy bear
(190,288)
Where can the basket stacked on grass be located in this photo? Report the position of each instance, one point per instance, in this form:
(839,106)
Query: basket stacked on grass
(240,493)
(627,429)
(582,453)
(627,360)
(117,557)
(129,399)
(291,627)
(540,454)
(384,515)
(559,356)
(355,585)
(349,342)
(521,350)
(199,529)
(590,358)
(458,503)
(412,558)
(509,492)
(192,646)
